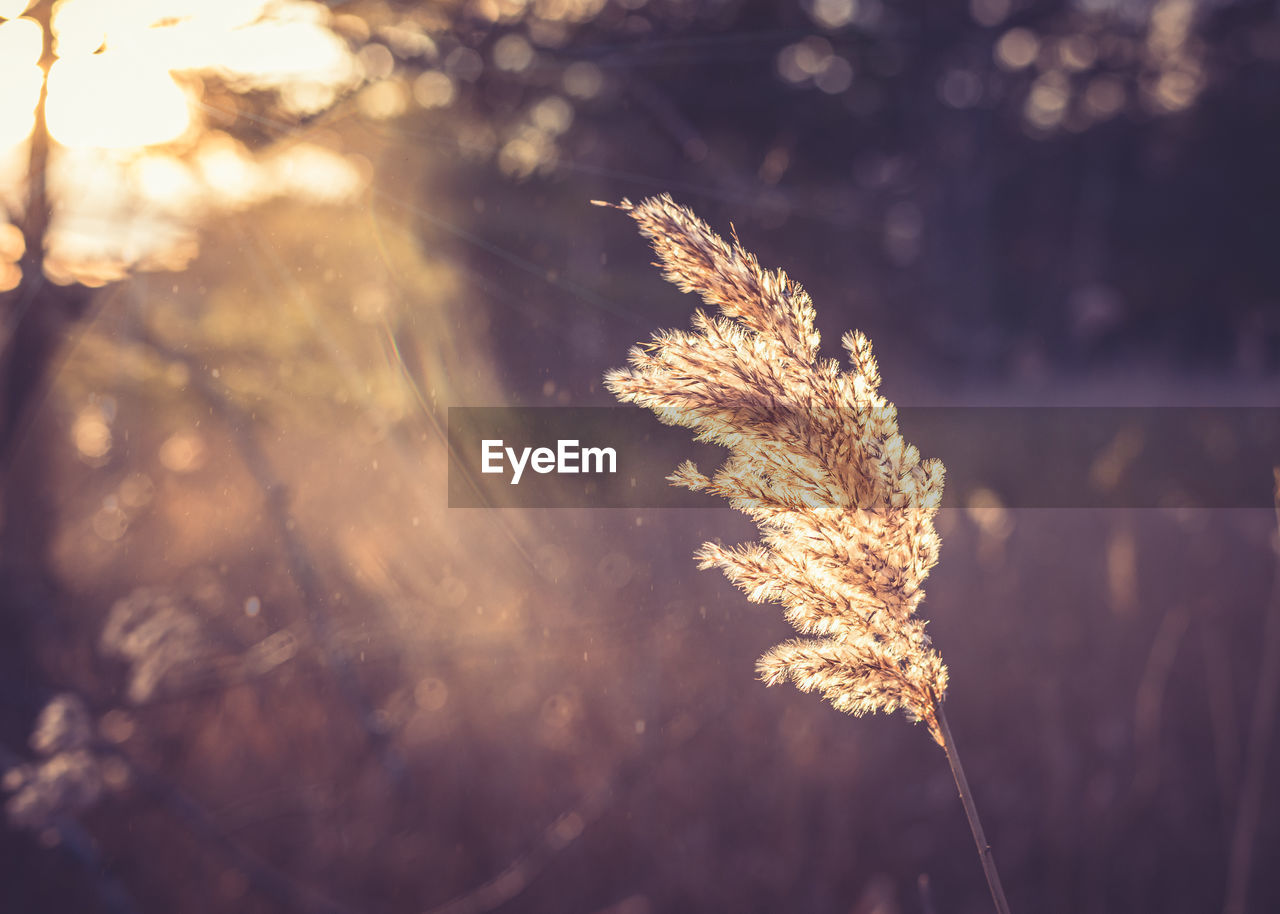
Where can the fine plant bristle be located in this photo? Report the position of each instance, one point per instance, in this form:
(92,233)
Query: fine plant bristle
(844,506)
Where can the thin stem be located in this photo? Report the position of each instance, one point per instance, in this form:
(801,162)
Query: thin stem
(975,824)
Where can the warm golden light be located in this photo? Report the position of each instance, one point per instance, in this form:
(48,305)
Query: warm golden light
(10,276)
(306,63)
(91,433)
(11,9)
(227,168)
(12,244)
(310,172)
(434,89)
(1017,49)
(166,182)
(114,101)
(20,44)
(1047,103)
(512,53)
(18,101)
(112,84)
(128,77)
(183,452)
(83,26)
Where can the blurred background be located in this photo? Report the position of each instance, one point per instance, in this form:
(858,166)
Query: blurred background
(250,253)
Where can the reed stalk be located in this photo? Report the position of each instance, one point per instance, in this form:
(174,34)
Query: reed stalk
(844,506)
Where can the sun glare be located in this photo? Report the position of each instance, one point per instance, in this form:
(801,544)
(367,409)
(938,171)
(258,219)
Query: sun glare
(115,102)
(112,84)
(132,157)
(20,42)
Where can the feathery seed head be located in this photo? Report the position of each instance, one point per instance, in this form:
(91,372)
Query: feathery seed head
(845,507)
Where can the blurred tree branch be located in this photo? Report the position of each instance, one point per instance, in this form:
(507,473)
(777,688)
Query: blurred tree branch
(302,568)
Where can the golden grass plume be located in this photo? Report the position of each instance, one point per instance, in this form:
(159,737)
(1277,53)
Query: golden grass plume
(845,507)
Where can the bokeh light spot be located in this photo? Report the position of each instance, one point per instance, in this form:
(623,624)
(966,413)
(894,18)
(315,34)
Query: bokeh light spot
(989,12)
(1104,97)
(960,88)
(552,114)
(183,452)
(1017,49)
(91,434)
(836,76)
(834,14)
(512,53)
(431,694)
(1077,52)
(1047,102)
(12,244)
(376,61)
(434,89)
(384,100)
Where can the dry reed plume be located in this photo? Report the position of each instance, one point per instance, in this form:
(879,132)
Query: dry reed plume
(845,507)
